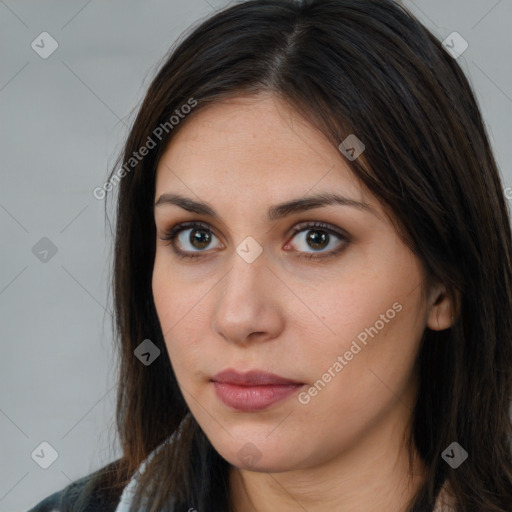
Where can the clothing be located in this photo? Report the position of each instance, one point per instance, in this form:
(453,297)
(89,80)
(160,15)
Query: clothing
(129,491)
(64,500)
(444,502)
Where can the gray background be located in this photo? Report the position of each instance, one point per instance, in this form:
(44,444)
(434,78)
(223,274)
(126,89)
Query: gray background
(64,119)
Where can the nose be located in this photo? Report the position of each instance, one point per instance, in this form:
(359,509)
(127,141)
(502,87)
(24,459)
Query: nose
(249,302)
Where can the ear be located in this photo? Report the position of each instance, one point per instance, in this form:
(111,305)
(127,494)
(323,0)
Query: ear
(441,310)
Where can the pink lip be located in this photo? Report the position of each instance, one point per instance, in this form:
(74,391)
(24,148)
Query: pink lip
(252,391)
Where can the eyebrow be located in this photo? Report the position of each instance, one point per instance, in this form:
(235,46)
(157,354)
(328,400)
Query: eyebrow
(274,212)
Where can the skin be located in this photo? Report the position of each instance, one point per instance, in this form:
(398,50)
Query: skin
(289,315)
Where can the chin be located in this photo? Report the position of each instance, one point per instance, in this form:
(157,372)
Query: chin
(267,455)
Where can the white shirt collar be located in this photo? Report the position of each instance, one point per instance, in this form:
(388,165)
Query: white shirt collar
(129,491)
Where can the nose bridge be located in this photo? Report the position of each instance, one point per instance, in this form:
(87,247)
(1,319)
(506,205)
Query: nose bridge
(247,264)
(245,301)
(241,285)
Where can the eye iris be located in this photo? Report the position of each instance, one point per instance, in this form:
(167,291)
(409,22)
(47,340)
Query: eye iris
(317,238)
(203,238)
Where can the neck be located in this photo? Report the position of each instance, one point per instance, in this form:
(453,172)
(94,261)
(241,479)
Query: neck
(374,475)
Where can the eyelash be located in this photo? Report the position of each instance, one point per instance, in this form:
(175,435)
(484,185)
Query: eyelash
(170,235)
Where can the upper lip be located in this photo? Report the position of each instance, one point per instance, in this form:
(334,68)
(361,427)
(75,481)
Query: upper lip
(251,378)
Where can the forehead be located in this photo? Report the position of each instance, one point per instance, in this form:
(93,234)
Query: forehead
(256,145)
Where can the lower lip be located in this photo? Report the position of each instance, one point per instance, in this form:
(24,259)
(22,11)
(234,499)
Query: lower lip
(253,398)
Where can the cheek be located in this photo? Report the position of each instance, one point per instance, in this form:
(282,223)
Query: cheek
(180,310)
(165,295)
(375,323)
(170,303)
(351,396)
(173,298)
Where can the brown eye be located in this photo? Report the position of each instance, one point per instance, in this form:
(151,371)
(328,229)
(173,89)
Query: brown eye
(317,237)
(189,238)
(201,237)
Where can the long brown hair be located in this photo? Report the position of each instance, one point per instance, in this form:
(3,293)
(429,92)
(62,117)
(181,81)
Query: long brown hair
(366,67)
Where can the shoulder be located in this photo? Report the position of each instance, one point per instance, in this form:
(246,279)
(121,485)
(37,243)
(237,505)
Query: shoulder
(83,495)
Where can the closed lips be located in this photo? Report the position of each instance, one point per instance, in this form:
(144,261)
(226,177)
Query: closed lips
(252,378)
(252,391)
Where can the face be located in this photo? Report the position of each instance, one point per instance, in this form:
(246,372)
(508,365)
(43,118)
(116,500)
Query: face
(292,336)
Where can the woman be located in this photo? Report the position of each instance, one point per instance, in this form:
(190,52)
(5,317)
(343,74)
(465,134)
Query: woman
(312,275)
